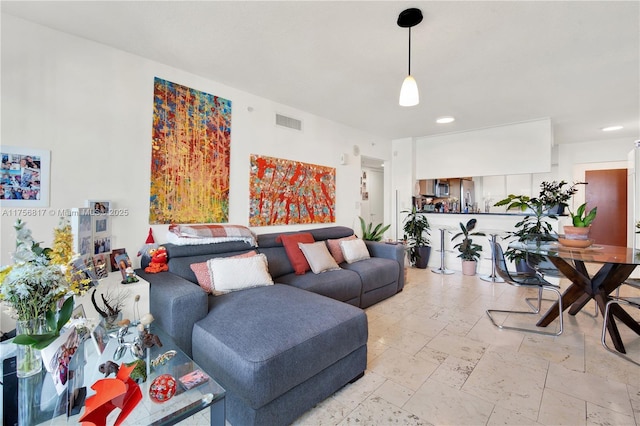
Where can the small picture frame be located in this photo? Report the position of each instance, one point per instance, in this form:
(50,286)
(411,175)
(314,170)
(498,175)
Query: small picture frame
(99,207)
(101,265)
(82,270)
(100,337)
(114,253)
(57,356)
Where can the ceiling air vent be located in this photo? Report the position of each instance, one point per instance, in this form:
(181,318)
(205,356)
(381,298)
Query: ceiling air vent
(291,123)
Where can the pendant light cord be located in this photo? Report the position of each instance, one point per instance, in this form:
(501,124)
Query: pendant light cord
(409,50)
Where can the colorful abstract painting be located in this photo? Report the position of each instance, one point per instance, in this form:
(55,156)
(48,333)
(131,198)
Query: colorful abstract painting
(285,192)
(190,155)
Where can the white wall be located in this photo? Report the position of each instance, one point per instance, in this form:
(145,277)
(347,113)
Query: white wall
(91,106)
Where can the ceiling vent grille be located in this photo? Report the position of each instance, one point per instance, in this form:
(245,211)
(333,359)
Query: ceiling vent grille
(291,123)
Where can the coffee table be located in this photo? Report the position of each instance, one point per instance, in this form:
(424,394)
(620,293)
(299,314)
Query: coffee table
(39,402)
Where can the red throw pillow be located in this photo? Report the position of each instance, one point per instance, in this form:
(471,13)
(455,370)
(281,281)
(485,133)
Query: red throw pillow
(295,255)
(335,250)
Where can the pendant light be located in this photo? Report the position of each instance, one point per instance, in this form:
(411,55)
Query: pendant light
(409,95)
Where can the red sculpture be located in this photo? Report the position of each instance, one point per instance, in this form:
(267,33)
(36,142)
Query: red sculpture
(122,392)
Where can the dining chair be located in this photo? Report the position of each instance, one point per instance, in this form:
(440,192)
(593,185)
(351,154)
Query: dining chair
(633,302)
(524,280)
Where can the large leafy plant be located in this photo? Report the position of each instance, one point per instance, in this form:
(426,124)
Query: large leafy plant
(534,227)
(416,232)
(371,233)
(467,248)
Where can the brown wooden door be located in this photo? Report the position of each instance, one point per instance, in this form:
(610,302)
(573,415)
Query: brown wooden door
(607,189)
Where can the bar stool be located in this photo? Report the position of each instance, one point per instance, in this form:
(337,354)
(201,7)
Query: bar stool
(493,277)
(442,269)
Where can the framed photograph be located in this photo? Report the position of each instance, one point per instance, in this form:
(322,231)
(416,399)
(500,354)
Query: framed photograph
(100,337)
(57,356)
(124,265)
(101,265)
(82,273)
(25,177)
(114,253)
(99,207)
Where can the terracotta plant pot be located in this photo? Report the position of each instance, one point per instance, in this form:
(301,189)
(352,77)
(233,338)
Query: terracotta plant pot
(576,233)
(469,267)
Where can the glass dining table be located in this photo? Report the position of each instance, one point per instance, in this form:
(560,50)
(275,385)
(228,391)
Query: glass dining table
(616,264)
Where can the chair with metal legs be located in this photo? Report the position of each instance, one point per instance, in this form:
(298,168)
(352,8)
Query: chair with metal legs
(633,302)
(524,280)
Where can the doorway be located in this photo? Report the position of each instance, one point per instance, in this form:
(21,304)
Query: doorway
(372,190)
(607,189)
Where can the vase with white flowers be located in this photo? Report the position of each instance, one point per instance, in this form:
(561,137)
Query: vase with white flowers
(34,287)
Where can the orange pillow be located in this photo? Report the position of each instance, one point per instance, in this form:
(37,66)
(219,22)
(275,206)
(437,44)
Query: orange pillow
(295,255)
(335,250)
(203,275)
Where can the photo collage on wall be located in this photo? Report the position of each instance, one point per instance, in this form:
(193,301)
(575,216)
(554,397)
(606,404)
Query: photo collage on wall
(24,177)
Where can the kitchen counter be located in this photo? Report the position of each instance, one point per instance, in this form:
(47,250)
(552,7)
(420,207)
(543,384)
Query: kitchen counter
(499,223)
(485,214)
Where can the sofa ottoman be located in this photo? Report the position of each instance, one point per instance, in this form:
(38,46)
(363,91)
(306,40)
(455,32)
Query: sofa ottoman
(278,350)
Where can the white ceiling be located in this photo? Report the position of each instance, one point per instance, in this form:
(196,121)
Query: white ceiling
(486,63)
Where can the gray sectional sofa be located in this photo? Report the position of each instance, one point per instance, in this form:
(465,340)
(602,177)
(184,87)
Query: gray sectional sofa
(278,350)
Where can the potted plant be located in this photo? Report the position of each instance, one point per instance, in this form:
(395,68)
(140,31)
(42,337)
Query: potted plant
(535,227)
(581,220)
(370,233)
(554,198)
(469,251)
(416,234)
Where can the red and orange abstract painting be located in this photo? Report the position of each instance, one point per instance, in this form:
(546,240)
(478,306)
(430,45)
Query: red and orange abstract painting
(285,192)
(190,155)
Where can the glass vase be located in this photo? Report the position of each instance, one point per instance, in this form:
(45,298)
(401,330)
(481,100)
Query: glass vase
(29,359)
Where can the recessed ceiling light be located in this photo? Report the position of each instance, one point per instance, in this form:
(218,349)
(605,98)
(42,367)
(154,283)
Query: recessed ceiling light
(611,128)
(445,120)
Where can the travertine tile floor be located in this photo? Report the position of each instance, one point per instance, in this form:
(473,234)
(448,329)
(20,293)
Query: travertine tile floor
(435,359)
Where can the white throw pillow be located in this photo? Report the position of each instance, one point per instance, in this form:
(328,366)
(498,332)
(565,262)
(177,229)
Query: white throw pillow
(354,250)
(318,256)
(231,274)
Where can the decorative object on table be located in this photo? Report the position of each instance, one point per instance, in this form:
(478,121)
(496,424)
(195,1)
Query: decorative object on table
(136,310)
(100,338)
(146,319)
(193,379)
(81,323)
(120,392)
(163,358)
(27,182)
(534,228)
(34,286)
(111,307)
(123,345)
(149,244)
(469,251)
(582,220)
(125,268)
(369,233)
(139,372)
(109,367)
(158,262)
(416,233)
(162,388)
(57,357)
(148,340)
(554,198)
